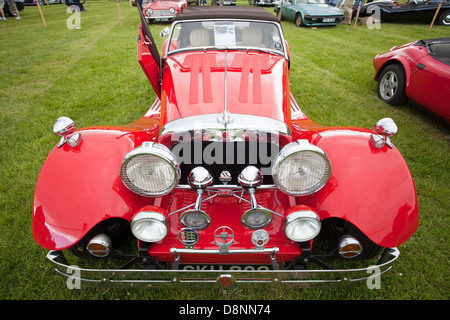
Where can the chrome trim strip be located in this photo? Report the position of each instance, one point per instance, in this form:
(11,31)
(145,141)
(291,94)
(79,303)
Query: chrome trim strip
(242,122)
(150,278)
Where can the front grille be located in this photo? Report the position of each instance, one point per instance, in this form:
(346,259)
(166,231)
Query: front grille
(233,157)
(161,13)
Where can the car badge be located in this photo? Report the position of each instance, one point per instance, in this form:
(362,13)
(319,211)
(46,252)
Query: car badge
(260,238)
(225,176)
(223,238)
(188,237)
(225,280)
(225,118)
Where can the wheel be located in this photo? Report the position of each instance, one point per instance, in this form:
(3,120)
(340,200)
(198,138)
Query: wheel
(444,19)
(298,20)
(391,85)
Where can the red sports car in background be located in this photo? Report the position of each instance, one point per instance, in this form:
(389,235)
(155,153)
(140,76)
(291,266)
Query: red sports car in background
(163,10)
(418,71)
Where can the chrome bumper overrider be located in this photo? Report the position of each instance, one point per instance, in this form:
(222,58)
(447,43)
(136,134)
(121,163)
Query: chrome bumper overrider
(154,278)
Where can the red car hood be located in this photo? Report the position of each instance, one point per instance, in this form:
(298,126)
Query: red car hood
(256,84)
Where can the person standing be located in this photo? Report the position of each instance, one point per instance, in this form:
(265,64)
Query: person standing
(347,8)
(2,13)
(13,8)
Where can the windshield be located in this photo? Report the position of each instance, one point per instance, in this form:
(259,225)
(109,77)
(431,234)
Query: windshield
(224,33)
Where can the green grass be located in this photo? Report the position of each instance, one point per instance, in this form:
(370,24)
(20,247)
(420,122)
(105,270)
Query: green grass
(92,76)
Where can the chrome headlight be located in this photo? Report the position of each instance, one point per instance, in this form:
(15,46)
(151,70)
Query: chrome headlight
(150,170)
(149,12)
(149,226)
(172,10)
(301,168)
(302,225)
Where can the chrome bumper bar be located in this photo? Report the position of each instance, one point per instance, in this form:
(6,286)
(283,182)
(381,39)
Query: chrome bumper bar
(80,278)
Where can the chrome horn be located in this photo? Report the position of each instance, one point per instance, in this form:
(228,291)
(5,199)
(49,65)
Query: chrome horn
(199,178)
(256,217)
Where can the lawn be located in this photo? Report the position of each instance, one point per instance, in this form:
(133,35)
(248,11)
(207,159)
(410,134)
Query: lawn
(91,75)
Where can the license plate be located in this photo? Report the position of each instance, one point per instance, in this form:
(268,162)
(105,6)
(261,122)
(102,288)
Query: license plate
(328,19)
(197,267)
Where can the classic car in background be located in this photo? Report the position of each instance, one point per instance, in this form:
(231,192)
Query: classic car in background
(262,2)
(42,2)
(163,10)
(224,178)
(415,11)
(419,71)
(309,13)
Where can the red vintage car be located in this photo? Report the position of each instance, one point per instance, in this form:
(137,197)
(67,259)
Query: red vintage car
(418,71)
(163,10)
(224,179)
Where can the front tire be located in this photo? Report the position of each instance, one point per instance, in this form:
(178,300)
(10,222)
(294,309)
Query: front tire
(392,84)
(299,20)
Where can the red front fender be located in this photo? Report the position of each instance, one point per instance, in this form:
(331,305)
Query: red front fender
(80,187)
(371,188)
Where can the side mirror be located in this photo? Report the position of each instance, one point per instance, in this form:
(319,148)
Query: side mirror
(165,32)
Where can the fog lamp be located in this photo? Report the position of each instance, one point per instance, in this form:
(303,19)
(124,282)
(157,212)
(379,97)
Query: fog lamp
(256,218)
(149,226)
(195,219)
(302,225)
(100,245)
(349,247)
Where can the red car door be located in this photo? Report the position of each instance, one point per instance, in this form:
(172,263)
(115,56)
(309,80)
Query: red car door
(430,86)
(148,55)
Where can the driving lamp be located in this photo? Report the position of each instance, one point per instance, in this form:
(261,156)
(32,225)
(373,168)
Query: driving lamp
(150,170)
(199,178)
(302,225)
(256,217)
(172,10)
(301,168)
(149,226)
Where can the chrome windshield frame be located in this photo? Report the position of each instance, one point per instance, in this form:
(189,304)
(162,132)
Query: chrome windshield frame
(283,53)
